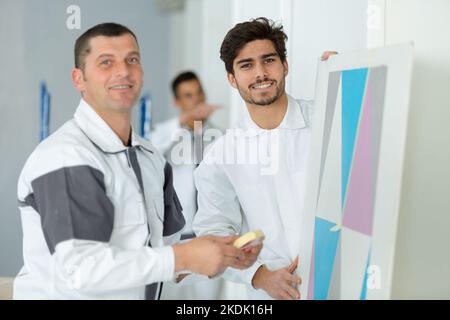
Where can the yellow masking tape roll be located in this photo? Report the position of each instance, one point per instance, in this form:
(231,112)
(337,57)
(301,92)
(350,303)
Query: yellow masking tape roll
(247,238)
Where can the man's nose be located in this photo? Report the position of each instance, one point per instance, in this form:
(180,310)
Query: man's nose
(260,71)
(121,70)
(200,98)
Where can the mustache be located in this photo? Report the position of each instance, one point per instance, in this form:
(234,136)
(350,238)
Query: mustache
(122,81)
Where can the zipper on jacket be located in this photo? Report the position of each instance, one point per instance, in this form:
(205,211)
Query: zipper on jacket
(127,155)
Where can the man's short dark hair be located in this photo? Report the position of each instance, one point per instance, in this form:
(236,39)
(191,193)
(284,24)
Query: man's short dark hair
(257,29)
(182,77)
(108,29)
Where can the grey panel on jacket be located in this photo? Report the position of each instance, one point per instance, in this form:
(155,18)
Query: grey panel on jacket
(72,203)
(173,215)
(173,212)
(131,153)
(150,291)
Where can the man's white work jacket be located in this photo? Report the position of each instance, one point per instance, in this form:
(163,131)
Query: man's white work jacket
(253,178)
(98,217)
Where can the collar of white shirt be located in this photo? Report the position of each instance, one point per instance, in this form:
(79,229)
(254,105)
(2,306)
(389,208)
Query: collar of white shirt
(101,134)
(293,119)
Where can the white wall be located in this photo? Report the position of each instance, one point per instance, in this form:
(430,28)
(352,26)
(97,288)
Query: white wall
(318,26)
(422,262)
(14,139)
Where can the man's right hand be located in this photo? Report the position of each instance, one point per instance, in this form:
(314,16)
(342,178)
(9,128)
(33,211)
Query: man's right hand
(199,113)
(280,284)
(207,255)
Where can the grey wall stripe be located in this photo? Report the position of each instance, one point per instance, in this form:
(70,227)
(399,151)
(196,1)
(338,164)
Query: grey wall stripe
(73,204)
(173,212)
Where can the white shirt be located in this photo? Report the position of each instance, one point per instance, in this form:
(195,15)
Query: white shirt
(97,216)
(238,195)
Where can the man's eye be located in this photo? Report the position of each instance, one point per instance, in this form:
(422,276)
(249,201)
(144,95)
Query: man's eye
(105,62)
(133,60)
(268,60)
(246,66)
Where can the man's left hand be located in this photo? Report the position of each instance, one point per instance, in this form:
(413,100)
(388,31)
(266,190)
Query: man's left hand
(327,54)
(247,257)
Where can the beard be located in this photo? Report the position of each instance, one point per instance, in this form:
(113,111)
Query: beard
(246,94)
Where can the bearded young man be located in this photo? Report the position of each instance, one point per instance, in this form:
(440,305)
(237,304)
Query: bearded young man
(238,196)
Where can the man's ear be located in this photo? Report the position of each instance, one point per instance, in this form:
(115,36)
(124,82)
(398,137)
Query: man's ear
(232,80)
(286,67)
(78,79)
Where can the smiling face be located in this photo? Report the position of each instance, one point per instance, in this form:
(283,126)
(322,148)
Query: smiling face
(111,79)
(259,74)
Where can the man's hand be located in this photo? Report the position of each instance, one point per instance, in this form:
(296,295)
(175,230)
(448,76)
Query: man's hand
(181,277)
(279,284)
(327,54)
(199,113)
(207,255)
(247,257)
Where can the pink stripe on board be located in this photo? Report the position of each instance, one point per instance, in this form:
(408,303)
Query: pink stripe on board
(358,210)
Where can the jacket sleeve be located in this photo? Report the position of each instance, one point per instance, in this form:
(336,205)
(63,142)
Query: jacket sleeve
(219,213)
(96,267)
